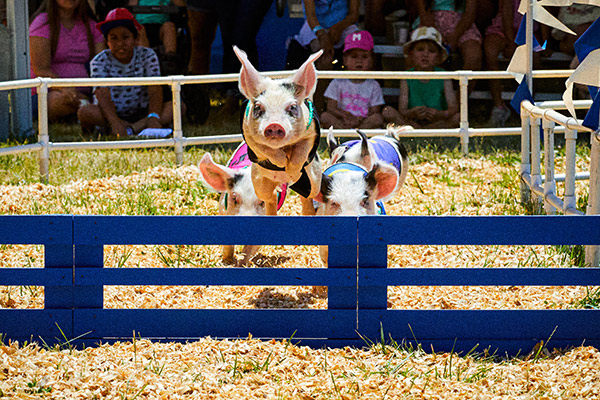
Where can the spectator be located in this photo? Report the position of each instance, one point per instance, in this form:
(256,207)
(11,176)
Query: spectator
(577,17)
(500,38)
(125,109)
(202,21)
(327,24)
(159,30)
(354,103)
(63,39)
(375,12)
(425,103)
(454,19)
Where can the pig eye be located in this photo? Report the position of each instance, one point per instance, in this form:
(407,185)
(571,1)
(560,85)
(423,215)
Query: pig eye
(261,204)
(235,199)
(258,110)
(364,203)
(293,110)
(334,205)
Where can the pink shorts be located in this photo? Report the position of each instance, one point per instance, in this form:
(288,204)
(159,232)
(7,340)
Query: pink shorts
(446,22)
(495,27)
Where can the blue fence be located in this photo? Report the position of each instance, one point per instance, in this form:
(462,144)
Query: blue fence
(357,280)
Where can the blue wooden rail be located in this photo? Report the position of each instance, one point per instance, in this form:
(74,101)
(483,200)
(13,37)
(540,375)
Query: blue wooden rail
(357,280)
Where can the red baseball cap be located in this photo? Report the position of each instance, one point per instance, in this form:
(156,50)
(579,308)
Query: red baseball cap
(119,17)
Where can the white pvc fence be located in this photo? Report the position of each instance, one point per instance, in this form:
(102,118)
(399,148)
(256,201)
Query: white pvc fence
(543,188)
(531,115)
(179,141)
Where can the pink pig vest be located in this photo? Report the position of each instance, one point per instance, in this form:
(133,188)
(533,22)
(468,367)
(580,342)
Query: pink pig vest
(240,160)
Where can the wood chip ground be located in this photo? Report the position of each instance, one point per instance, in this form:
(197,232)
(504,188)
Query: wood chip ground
(248,368)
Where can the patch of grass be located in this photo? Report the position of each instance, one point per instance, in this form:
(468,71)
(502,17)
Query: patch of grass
(590,300)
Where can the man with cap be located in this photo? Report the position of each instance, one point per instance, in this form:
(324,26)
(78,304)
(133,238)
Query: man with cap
(354,103)
(126,110)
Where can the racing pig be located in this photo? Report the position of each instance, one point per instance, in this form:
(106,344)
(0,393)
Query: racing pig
(237,193)
(349,189)
(282,131)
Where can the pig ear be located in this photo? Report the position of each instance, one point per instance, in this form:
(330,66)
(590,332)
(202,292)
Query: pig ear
(250,79)
(365,154)
(306,76)
(382,179)
(320,197)
(216,176)
(331,141)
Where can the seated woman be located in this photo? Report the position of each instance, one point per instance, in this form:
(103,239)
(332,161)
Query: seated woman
(63,39)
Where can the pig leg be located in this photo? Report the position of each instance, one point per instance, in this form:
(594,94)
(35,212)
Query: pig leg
(228,257)
(324,252)
(265,190)
(249,251)
(308,207)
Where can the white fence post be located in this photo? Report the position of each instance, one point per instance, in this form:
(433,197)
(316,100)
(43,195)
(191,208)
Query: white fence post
(592,253)
(570,202)
(43,136)
(549,183)
(177,124)
(525,155)
(536,162)
(464,110)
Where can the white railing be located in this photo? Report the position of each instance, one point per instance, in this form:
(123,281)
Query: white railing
(179,141)
(542,189)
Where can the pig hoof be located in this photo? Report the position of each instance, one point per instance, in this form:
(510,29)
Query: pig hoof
(229,261)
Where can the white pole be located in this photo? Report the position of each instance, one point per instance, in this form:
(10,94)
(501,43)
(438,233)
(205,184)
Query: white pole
(570,202)
(549,183)
(464,111)
(525,154)
(592,253)
(177,125)
(43,136)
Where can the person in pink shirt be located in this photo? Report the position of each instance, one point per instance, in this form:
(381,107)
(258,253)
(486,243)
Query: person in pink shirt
(63,39)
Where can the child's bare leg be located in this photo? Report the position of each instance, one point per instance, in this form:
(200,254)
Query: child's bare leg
(493,46)
(391,115)
(90,116)
(168,37)
(471,53)
(328,119)
(372,122)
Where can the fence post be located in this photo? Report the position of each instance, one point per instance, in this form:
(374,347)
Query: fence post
(464,110)
(177,125)
(525,155)
(4,76)
(536,163)
(60,255)
(342,297)
(549,183)
(592,253)
(371,256)
(570,202)
(43,136)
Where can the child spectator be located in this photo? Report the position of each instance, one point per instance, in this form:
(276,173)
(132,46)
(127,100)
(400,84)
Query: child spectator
(500,38)
(455,20)
(63,39)
(425,103)
(123,107)
(327,24)
(354,103)
(159,30)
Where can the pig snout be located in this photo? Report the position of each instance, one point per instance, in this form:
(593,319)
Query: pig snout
(275,131)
